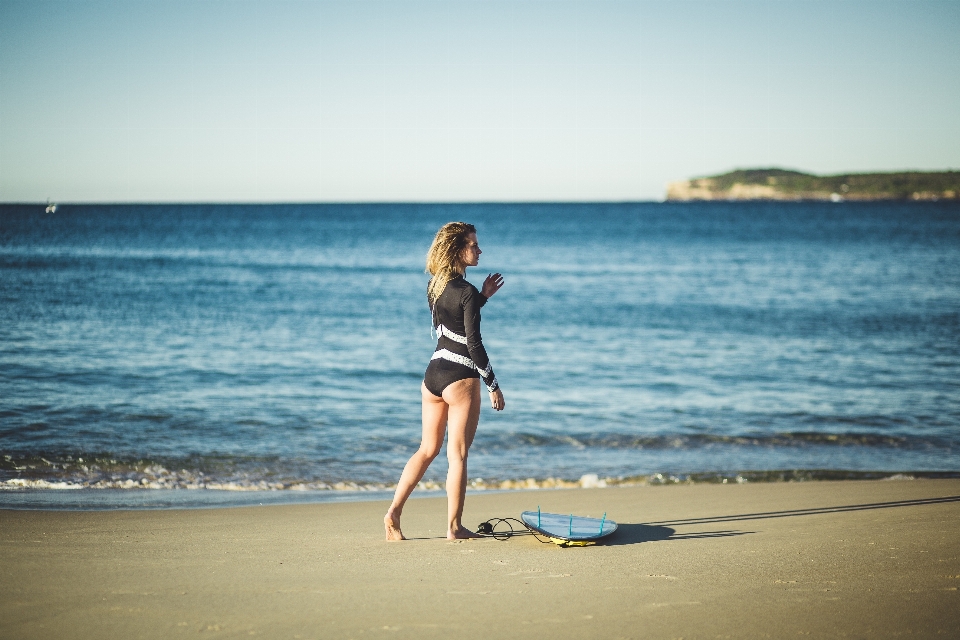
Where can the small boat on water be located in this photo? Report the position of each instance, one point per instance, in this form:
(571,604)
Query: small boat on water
(51,207)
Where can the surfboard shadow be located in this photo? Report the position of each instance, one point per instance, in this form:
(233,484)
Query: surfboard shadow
(637,533)
(653,532)
(792,513)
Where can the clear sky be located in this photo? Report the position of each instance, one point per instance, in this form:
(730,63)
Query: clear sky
(449,100)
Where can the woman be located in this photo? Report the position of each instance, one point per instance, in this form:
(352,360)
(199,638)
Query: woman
(451,385)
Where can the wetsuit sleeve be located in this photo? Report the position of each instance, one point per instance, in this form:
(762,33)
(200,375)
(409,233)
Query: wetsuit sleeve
(471,301)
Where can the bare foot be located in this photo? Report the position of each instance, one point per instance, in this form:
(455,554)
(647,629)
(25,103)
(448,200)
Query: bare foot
(462,534)
(392,524)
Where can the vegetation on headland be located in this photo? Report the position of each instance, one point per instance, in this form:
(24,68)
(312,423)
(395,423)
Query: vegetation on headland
(782,184)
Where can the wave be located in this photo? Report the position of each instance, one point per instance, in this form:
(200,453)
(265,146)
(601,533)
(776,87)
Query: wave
(587,481)
(698,440)
(218,473)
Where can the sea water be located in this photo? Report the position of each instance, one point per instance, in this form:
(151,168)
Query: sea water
(279,349)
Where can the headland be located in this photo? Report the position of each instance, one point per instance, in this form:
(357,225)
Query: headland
(783,184)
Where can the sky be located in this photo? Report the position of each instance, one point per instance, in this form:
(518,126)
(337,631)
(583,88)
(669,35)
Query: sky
(450,100)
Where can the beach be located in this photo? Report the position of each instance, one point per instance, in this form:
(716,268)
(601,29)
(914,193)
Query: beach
(806,559)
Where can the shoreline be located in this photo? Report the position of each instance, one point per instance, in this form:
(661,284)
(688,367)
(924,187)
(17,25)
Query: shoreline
(825,559)
(41,495)
(80,498)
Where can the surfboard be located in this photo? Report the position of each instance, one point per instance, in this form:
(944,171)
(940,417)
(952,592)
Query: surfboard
(568,529)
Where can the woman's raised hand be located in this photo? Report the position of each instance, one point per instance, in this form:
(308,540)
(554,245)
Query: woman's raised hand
(491,284)
(496,400)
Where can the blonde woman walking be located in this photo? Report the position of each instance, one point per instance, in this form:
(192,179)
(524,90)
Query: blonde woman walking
(451,384)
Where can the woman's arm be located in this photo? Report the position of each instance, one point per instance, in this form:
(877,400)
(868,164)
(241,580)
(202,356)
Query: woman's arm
(471,302)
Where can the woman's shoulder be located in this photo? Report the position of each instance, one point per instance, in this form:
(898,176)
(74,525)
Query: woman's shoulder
(463,291)
(464,287)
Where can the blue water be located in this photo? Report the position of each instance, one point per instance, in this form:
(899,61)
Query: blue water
(282,346)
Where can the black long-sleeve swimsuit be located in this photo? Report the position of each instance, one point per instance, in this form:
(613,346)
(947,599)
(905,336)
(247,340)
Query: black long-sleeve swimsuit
(460,353)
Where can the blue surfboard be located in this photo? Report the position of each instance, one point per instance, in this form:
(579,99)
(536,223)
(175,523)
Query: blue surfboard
(568,529)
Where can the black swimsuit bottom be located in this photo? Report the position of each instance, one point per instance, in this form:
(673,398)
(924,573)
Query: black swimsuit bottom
(460,353)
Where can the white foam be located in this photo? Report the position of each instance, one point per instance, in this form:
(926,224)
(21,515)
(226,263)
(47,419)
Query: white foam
(900,476)
(592,481)
(21,483)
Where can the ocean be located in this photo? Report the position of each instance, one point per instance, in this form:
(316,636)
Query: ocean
(205,355)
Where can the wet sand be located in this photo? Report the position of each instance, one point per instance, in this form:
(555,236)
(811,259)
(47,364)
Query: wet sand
(785,560)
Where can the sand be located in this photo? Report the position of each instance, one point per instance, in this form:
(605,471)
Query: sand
(867,559)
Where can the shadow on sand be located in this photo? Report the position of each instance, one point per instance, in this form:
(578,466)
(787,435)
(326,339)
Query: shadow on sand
(807,512)
(656,531)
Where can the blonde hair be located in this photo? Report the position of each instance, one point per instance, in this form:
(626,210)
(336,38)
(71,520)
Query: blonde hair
(445,257)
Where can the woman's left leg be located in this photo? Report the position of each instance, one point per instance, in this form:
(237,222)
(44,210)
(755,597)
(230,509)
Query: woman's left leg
(463,399)
(434,426)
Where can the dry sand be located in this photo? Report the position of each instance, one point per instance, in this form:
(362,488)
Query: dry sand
(822,559)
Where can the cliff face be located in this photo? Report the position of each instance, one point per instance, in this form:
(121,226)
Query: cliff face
(707,189)
(780,184)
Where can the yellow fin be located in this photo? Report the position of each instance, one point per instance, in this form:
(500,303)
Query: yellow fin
(571,543)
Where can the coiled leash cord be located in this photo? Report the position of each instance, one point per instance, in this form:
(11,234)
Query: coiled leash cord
(489,528)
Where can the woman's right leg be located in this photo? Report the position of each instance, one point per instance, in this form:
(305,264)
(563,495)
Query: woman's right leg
(434,427)
(463,398)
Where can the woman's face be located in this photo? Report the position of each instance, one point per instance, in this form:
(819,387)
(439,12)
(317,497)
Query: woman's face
(471,253)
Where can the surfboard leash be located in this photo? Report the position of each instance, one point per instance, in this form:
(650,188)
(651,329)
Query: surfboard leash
(489,528)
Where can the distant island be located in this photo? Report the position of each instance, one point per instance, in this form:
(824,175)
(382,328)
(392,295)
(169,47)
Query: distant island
(782,184)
